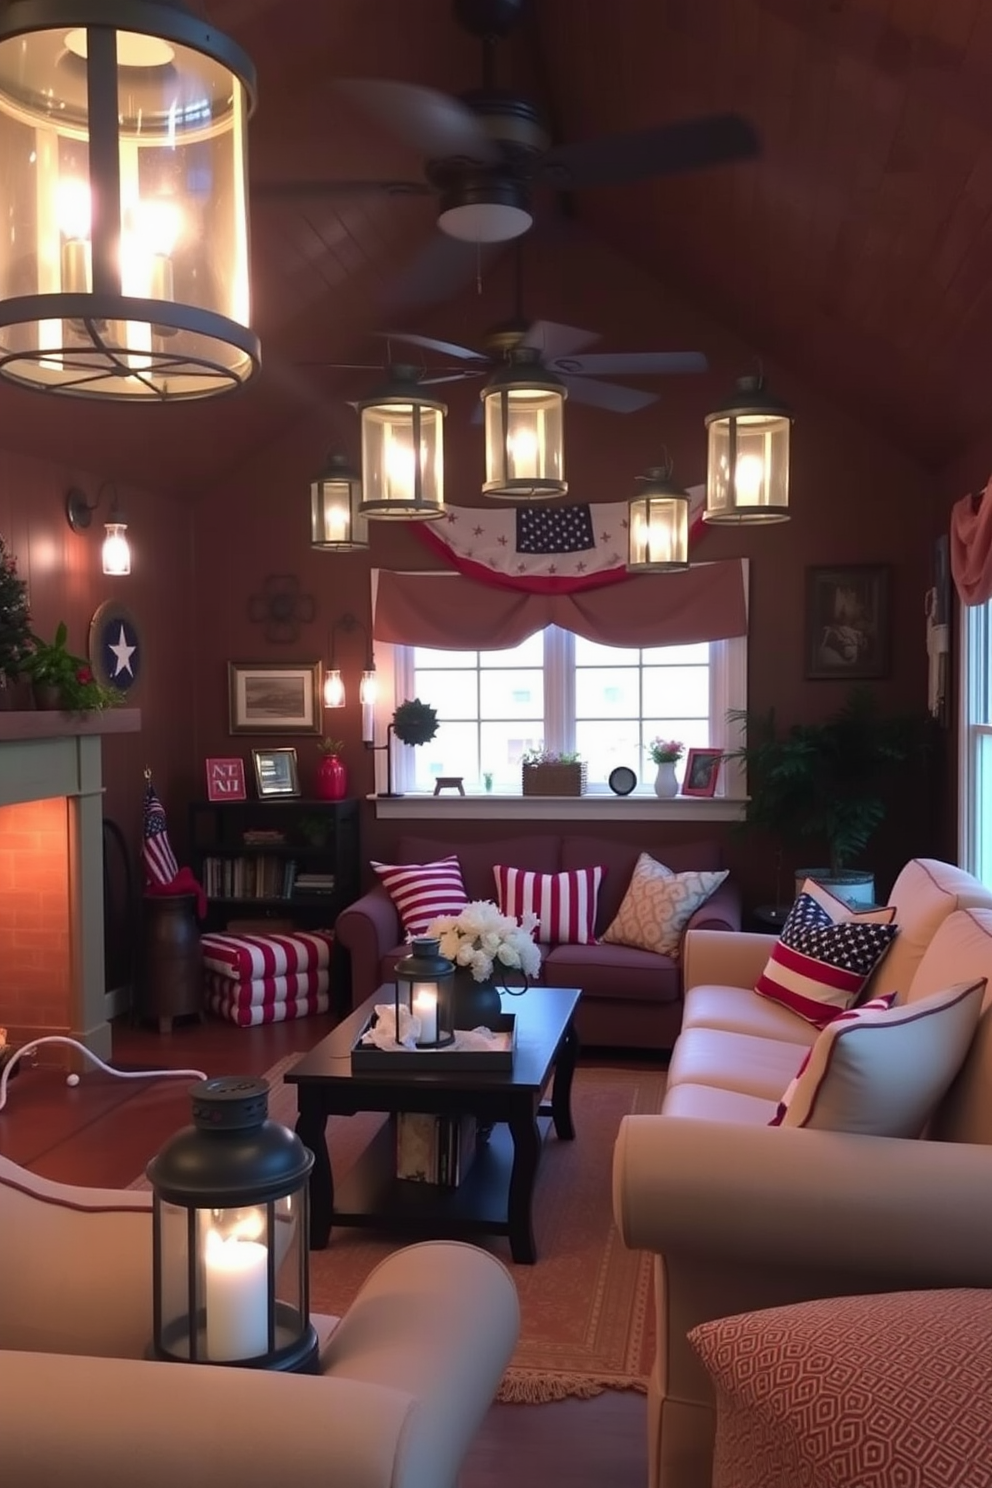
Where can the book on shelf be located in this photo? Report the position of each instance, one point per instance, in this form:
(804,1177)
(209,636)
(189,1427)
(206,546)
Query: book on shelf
(257,876)
(434,1149)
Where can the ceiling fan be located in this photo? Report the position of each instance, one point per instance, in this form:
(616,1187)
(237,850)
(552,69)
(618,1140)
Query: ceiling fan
(487,151)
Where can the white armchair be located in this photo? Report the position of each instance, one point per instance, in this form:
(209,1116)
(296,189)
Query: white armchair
(406,1375)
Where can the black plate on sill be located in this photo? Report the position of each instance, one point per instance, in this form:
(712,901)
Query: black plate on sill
(622,780)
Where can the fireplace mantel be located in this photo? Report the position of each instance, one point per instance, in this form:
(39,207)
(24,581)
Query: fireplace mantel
(41,723)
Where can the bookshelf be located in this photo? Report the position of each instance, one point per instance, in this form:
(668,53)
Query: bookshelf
(282,860)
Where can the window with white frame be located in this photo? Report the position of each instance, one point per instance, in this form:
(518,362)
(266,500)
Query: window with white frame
(975,742)
(562,692)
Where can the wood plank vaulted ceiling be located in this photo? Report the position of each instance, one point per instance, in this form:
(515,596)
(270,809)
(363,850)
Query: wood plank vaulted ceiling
(857,250)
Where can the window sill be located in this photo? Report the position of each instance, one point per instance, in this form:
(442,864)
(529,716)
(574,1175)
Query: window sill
(452,807)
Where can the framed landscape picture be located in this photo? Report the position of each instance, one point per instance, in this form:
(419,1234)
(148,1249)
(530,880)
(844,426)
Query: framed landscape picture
(847,622)
(274,697)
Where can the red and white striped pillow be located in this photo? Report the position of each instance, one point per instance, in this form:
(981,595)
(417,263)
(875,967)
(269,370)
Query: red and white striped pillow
(565,903)
(422,892)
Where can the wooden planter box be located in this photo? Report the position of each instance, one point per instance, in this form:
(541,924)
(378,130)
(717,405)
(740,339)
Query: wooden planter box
(554,780)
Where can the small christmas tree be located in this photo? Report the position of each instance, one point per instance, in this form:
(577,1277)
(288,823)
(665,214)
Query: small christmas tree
(15,635)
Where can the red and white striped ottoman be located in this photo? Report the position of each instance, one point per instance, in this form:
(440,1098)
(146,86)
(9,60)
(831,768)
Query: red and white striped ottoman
(252,979)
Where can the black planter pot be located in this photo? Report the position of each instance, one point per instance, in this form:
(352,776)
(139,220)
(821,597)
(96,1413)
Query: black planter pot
(475,1002)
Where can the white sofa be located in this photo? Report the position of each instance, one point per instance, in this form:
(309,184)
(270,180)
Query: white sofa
(406,1375)
(744,1216)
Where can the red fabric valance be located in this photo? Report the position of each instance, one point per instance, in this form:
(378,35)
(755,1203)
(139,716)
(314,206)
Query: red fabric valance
(971,548)
(452,613)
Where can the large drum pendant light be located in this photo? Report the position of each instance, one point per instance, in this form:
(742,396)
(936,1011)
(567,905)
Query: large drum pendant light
(747,467)
(402,451)
(658,524)
(524,410)
(123,176)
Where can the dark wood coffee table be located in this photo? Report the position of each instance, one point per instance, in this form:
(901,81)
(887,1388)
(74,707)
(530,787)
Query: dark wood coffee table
(496,1195)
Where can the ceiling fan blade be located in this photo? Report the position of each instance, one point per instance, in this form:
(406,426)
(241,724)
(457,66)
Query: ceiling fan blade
(632,363)
(434,123)
(553,340)
(664,150)
(444,348)
(263,191)
(464,376)
(609,395)
(442,269)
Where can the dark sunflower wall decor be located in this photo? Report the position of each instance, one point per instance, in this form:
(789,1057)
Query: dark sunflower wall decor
(280,608)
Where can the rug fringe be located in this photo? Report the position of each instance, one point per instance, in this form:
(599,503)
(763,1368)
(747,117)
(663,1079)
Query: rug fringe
(534,1387)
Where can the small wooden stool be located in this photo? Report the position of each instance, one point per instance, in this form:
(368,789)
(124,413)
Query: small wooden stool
(449,782)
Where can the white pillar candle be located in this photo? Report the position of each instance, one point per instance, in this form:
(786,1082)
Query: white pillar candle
(425,1008)
(368,723)
(237,1289)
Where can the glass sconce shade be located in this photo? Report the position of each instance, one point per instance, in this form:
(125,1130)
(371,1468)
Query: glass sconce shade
(524,417)
(424,986)
(658,525)
(116,549)
(230,1236)
(334,694)
(368,696)
(747,462)
(336,521)
(402,452)
(123,170)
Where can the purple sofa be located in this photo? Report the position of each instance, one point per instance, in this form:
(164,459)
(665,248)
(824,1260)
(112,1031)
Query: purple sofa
(630,998)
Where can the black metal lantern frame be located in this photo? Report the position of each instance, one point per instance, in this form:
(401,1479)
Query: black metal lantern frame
(336,522)
(402,450)
(748,454)
(658,524)
(231,1235)
(424,986)
(524,420)
(123,168)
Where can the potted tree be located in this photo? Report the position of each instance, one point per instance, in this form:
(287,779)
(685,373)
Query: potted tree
(15,633)
(822,783)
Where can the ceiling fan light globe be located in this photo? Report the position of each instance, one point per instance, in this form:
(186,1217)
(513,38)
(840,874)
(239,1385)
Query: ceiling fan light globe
(485,222)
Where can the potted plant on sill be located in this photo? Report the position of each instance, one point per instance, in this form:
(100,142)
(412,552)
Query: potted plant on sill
(549,772)
(62,680)
(823,783)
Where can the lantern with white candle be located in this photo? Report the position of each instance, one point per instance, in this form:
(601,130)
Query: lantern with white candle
(230,1235)
(425,982)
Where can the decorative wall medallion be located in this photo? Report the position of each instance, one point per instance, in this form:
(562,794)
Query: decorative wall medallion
(115,648)
(281,609)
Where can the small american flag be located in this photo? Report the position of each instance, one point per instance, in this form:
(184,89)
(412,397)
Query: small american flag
(160,861)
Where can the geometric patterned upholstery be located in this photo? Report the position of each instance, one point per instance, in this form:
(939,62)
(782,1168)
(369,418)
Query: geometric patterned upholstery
(885,1391)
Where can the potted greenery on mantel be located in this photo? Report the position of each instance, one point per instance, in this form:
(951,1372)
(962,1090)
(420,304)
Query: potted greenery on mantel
(820,786)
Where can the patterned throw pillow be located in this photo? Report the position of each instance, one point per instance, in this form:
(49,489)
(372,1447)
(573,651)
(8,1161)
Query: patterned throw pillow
(565,903)
(423,891)
(880,1071)
(817,968)
(658,905)
(876,1005)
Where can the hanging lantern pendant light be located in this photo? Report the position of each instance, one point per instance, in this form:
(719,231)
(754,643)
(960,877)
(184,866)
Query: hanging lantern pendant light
(336,521)
(402,450)
(128,224)
(524,412)
(747,467)
(658,524)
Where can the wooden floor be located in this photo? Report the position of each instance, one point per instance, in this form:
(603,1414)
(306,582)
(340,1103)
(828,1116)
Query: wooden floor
(106,1129)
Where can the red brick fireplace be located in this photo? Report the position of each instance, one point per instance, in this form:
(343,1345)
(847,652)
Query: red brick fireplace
(51,875)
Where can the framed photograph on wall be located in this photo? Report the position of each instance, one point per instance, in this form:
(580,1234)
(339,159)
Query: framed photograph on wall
(226,780)
(274,697)
(702,766)
(275,772)
(847,622)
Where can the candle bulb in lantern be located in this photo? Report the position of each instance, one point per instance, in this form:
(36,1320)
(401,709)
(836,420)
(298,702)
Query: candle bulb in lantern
(425,1008)
(236,1298)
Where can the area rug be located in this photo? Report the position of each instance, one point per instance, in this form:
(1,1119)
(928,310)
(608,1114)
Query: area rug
(587,1319)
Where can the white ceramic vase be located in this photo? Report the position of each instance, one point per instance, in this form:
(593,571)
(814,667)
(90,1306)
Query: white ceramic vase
(666,782)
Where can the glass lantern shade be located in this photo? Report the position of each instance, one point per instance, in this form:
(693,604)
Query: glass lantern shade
(424,986)
(231,1234)
(658,525)
(747,464)
(116,549)
(334,694)
(123,172)
(336,521)
(524,417)
(402,452)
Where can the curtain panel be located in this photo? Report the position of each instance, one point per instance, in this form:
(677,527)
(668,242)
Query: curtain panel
(971,547)
(452,613)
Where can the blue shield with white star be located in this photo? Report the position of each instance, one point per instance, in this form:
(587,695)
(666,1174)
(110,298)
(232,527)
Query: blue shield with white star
(119,650)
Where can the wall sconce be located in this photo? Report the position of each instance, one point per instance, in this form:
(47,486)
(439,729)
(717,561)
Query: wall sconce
(336,521)
(524,410)
(130,255)
(79,515)
(402,450)
(747,463)
(658,524)
(334,688)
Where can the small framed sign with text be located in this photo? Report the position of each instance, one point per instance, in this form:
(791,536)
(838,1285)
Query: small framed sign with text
(226,780)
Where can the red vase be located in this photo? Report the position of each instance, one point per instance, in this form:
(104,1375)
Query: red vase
(332,779)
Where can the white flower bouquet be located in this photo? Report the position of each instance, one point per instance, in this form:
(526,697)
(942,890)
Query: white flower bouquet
(484,940)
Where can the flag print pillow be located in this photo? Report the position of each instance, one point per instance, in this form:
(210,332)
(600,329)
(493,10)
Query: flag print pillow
(818,969)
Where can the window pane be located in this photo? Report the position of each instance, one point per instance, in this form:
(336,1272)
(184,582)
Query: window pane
(677,690)
(607,692)
(502,746)
(680,655)
(591,653)
(529,653)
(424,656)
(512,694)
(454,750)
(454,694)
(605,745)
